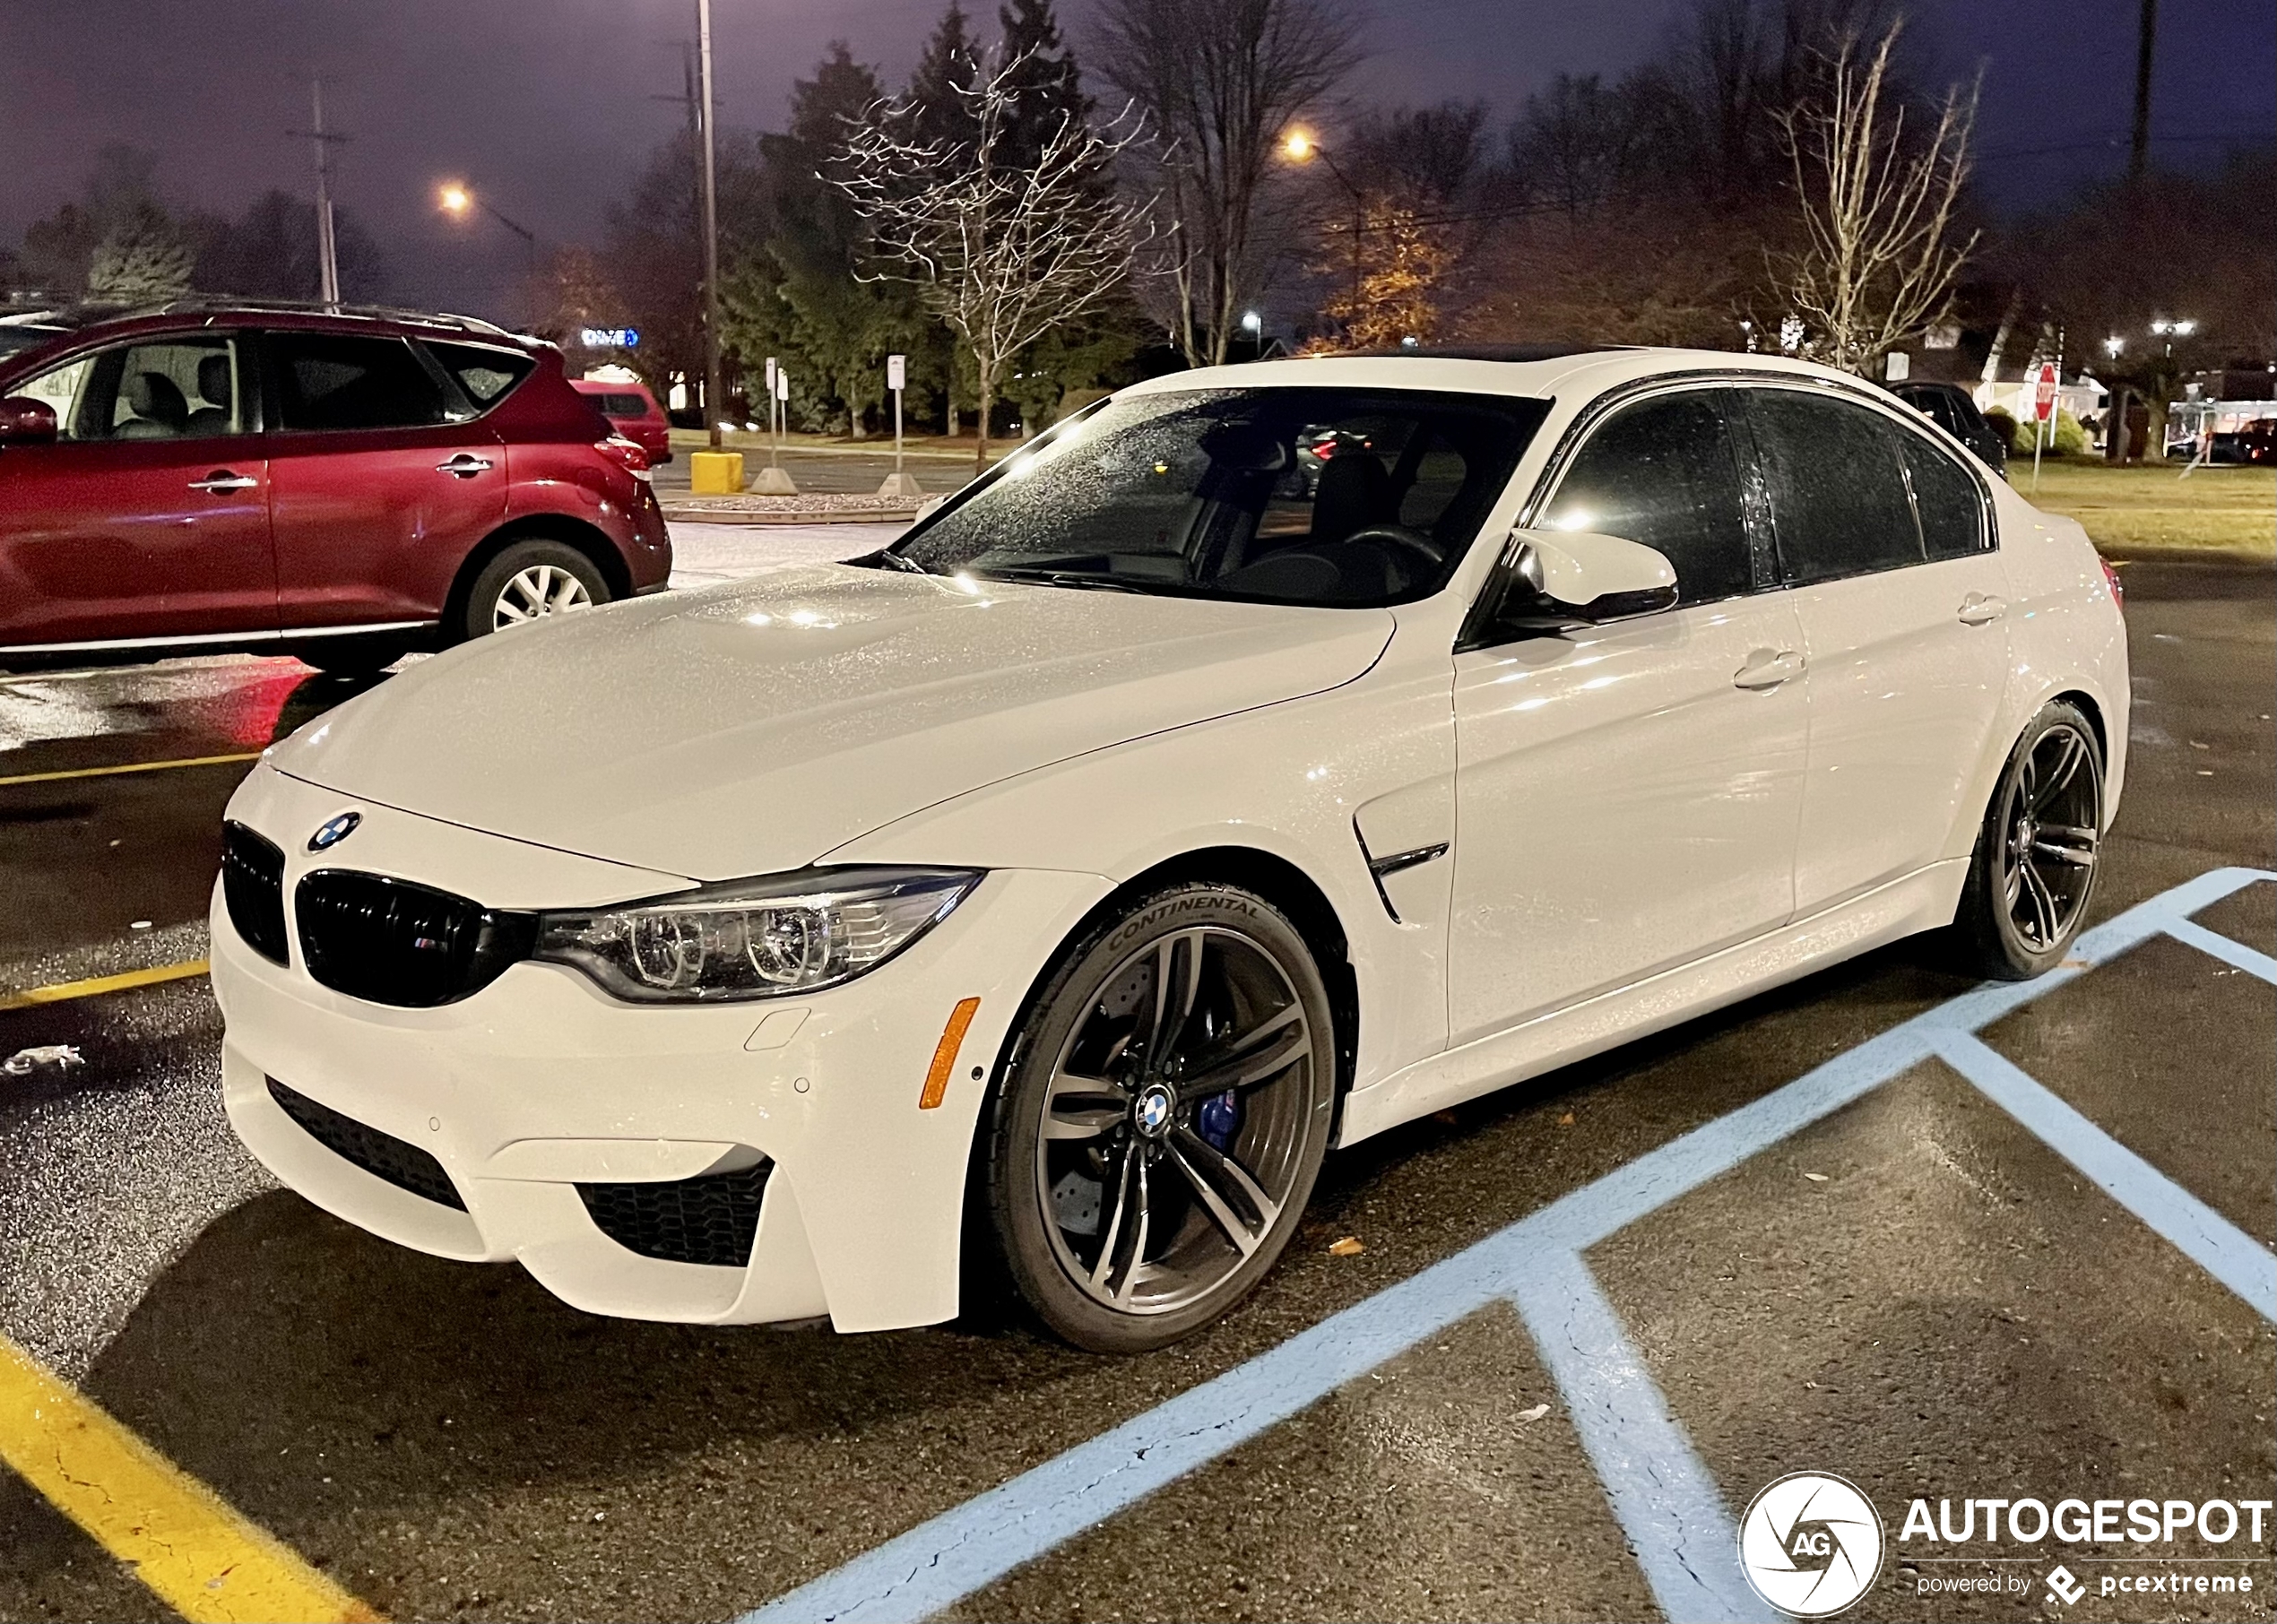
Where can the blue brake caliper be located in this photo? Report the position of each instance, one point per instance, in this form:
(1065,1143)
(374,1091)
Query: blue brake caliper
(1218,1120)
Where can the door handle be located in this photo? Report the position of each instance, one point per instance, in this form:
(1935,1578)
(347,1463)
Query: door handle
(465,465)
(224,478)
(1768,668)
(1979,609)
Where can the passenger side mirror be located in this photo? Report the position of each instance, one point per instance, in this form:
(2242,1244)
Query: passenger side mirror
(24,422)
(1560,577)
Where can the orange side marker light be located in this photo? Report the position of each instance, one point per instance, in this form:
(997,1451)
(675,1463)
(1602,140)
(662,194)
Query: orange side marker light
(945,1053)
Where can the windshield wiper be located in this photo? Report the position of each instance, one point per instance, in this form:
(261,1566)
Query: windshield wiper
(1064,578)
(886,558)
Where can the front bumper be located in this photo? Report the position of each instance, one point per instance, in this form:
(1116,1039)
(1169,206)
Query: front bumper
(541,1083)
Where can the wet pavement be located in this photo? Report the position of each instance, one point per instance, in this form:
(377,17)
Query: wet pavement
(1913,1291)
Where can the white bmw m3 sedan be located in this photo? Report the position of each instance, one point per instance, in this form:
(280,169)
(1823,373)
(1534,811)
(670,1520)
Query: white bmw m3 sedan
(1266,756)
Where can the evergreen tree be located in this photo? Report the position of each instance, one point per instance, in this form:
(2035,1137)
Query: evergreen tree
(938,91)
(1047,86)
(142,259)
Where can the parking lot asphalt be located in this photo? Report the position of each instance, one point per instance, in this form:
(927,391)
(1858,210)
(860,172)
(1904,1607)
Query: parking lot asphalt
(1914,1290)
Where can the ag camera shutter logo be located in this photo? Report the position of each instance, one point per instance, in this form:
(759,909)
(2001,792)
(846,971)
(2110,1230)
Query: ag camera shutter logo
(1811,1544)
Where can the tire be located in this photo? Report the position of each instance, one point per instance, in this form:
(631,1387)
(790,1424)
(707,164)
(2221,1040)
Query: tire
(2033,871)
(529,581)
(352,656)
(1120,1228)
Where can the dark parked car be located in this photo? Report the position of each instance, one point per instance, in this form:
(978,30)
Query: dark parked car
(339,486)
(1953,410)
(2254,442)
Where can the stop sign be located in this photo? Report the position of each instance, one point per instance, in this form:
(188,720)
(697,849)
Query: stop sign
(2044,392)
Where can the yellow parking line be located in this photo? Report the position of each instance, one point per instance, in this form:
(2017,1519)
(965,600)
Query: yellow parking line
(63,991)
(132,766)
(201,1556)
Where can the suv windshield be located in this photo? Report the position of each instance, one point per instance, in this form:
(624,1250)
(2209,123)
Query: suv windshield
(1347,497)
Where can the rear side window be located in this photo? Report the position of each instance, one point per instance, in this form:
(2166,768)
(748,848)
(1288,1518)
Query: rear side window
(332,381)
(488,376)
(1662,472)
(623,406)
(1950,507)
(1836,483)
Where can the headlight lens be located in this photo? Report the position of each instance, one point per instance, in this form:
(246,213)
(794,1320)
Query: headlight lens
(760,938)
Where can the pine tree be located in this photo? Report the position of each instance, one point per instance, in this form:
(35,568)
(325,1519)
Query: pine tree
(1047,86)
(141,259)
(940,110)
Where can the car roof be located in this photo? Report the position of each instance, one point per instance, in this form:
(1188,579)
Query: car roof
(176,314)
(1544,373)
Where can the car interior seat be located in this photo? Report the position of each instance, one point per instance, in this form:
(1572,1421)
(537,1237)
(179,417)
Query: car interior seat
(161,411)
(213,388)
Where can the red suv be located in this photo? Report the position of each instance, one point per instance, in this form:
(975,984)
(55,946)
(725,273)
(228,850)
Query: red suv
(339,486)
(632,412)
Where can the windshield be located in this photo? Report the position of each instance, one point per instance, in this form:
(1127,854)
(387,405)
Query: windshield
(15,341)
(1345,498)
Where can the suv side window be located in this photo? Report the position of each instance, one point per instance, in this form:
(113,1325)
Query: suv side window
(333,381)
(1945,499)
(488,375)
(1836,485)
(173,388)
(1662,472)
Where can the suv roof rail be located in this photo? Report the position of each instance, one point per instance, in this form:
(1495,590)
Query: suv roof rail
(222,305)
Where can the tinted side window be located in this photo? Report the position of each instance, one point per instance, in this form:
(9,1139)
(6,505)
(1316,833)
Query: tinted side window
(488,376)
(1662,472)
(1950,507)
(329,381)
(1836,487)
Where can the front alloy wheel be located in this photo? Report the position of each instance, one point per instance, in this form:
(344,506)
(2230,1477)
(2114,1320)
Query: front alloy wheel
(1156,1140)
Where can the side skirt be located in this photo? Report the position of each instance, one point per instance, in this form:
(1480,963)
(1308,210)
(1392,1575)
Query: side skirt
(1921,900)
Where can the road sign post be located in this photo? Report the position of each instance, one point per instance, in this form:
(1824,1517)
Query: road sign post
(775,481)
(2043,414)
(898,483)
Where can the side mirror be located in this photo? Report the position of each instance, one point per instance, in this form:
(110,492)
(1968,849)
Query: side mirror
(24,422)
(1560,577)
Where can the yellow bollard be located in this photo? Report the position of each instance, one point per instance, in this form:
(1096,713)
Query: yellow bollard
(716,473)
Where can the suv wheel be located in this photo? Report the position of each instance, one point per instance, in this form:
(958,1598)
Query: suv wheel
(1150,1149)
(529,581)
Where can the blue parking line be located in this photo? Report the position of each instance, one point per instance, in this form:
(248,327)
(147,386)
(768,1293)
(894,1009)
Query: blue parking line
(1666,1501)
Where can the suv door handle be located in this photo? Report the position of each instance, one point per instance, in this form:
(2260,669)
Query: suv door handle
(225,479)
(465,465)
(1979,609)
(1768,668)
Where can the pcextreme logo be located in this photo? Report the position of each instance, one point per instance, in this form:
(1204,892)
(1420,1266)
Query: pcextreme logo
(1811,1544)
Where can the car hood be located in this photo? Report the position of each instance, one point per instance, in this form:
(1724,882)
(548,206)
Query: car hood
(752,727)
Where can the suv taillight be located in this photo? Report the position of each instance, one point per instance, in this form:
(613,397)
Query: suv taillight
(625,453)
(2118,587)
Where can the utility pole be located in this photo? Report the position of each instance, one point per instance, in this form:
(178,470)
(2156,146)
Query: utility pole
(328,250)
(2139,154)
(715,393)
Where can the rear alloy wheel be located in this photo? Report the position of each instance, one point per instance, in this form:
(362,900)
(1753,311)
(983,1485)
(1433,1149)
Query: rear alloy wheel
(1153,1146)
(2036,857)
(530,581)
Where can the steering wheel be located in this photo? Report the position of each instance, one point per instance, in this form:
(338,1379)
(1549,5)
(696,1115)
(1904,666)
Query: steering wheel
(1402,539)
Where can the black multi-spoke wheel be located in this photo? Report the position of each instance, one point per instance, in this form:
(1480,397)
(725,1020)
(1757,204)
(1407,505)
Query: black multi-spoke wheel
(2036,858)
(1155,1139)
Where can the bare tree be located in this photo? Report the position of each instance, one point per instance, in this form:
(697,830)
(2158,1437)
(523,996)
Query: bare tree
(1001,250)
(1219,83)
(1879,253)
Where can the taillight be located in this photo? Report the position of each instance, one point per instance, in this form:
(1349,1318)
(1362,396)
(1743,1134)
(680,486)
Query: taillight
(2118,587)
(625,453)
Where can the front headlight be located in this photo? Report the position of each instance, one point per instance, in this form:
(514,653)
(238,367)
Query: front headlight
(757,938)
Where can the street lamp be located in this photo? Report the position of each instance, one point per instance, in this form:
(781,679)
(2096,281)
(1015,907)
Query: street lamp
(2113,345)
(1301,146)
(457,201)
(2173,330)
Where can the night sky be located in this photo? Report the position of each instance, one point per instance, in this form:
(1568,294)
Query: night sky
(549,108)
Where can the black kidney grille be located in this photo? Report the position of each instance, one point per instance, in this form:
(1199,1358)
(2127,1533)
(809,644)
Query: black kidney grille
(712,1219)
(391,942)
(382,1155)
(253,889)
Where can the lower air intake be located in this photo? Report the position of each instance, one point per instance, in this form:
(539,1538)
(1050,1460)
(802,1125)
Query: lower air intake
(712,1219)
(382,1155)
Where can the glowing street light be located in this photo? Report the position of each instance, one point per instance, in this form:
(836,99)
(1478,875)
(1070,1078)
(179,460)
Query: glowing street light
(455,198)
(2113,345)
(458,200)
